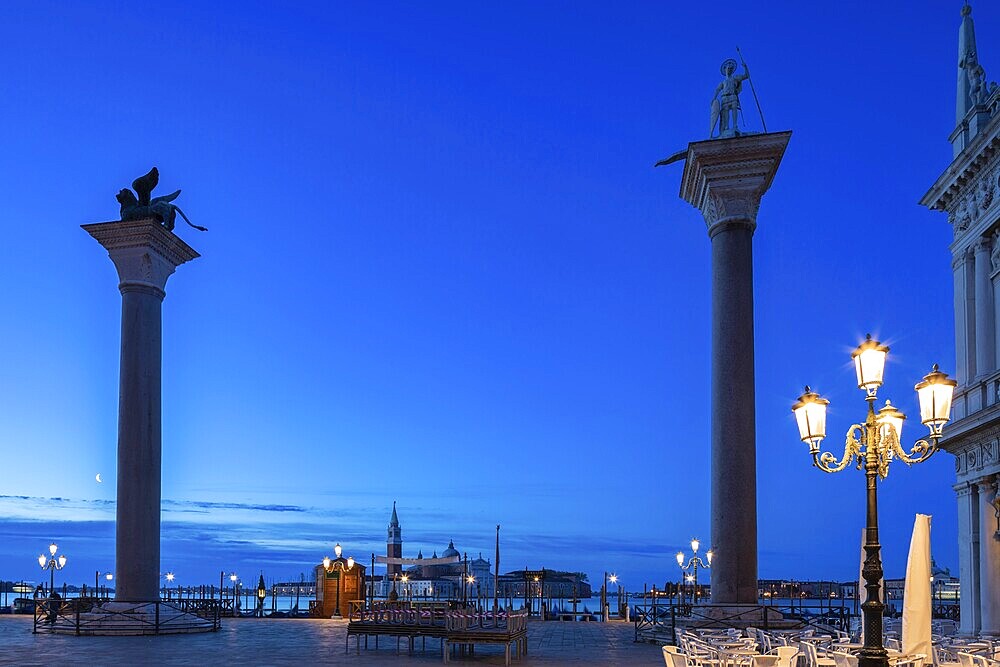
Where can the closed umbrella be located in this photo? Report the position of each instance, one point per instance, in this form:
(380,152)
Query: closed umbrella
(917,591)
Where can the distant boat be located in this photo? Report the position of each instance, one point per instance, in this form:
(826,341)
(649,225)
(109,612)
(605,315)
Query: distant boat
(23,606)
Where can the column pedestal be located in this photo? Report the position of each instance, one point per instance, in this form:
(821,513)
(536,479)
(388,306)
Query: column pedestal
(725,180)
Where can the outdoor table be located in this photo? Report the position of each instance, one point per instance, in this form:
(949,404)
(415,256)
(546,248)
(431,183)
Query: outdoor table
(736,656)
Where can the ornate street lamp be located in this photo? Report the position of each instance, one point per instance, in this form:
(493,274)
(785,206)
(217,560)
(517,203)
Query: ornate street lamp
(261,594)
(694,563)
(339,566)
(872,446)
(52,563)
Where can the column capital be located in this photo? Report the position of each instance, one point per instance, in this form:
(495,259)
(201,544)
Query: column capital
(987,485)
(144,252)
(726,178)
(963,489)
(983,244)
(961,258)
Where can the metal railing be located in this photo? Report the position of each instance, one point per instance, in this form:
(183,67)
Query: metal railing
(654,621)
(81,616)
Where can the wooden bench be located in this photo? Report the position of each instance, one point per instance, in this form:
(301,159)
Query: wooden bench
(453,629)
(459,633)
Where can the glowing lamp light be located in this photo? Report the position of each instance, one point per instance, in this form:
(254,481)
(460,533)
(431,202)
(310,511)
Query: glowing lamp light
(109,576)
(42,560)
(326,562)
(53,548)
(695,543)
(680,557)
(810,415)
(890,418)
(614,578)
(935,392)
(337,550)
(350,562)
(62,562)
(170,576)
(233,577)
(869,363)
(709,555)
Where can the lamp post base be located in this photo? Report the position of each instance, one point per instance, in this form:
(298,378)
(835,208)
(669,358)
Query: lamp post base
(873,658)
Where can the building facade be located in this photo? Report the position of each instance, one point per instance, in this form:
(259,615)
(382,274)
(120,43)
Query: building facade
(969,192)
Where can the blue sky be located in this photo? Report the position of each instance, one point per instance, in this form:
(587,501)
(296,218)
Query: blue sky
(442,270)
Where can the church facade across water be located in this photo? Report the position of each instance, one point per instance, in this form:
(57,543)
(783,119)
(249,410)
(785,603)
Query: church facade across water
(450,576)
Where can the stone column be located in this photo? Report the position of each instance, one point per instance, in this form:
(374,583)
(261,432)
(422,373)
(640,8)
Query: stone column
(968,557)
(145,254)
(985,352)
(989,559)
(964,319)
(725,179)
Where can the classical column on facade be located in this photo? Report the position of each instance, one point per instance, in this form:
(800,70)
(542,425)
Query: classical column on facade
(968,557)
(965,316)
(989,558)
(994,264)
(725,179)
(985,321)
(145,254)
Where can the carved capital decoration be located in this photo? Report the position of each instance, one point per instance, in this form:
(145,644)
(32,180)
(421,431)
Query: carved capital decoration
(726,178)
(144,252)
(963,489)
(995,255)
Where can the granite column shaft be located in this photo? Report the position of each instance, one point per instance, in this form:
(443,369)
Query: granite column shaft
(137,539)
(734,467)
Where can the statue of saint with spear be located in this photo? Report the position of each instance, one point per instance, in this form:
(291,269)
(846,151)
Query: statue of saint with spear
(726,100)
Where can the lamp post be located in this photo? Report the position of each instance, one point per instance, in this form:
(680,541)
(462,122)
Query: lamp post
(261,594)
(406,586)
(52,563)
(338,566)
(694,563)
(613,578)
(169,576)
(872,446)
(97,582)
(235,581)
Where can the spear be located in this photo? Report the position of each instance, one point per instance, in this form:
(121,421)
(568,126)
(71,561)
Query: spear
(752,90)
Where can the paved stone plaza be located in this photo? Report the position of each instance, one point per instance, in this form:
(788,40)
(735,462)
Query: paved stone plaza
(303,642)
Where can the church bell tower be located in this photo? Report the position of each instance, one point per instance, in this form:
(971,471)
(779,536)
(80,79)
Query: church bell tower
(394,544)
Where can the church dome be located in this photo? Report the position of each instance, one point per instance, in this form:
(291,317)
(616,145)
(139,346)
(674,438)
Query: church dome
(451,550)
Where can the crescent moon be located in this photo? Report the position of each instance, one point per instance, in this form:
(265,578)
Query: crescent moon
(98,478)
